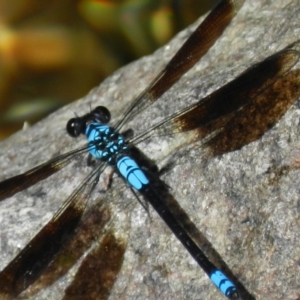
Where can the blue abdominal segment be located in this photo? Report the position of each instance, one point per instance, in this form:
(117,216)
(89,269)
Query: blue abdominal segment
(132,172)
(222,282)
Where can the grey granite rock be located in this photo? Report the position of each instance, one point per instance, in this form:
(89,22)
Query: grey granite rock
(245,202)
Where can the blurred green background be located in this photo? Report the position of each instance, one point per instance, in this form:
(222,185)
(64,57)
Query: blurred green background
(54,52)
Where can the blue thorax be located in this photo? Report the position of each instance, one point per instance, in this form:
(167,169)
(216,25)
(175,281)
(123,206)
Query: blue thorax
(108,145)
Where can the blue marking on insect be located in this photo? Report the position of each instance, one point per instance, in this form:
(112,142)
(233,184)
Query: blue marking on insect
(104,142)
(222,282)
(132,172)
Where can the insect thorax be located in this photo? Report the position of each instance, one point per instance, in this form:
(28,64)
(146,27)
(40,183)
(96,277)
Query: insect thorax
(104,142)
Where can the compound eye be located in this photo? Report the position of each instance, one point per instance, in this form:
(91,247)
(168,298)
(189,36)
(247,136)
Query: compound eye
(75,127)
(101,114)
